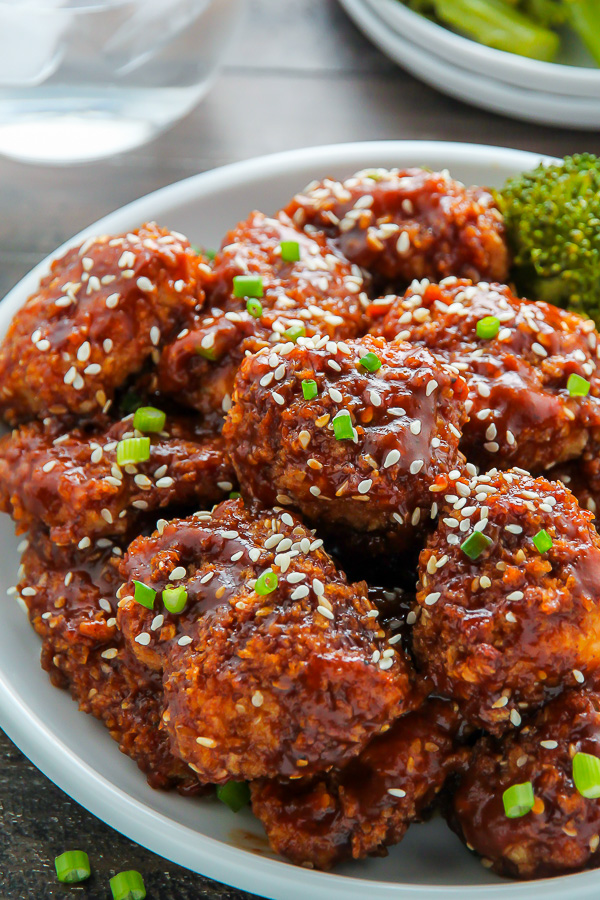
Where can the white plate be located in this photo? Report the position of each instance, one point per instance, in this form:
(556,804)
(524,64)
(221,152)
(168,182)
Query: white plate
(77,753)
(574,74)
(474,87)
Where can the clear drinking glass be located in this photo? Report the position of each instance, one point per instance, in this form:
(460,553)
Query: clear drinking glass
(83,79)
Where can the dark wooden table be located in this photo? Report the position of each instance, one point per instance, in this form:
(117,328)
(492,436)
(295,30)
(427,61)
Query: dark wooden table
(300,75)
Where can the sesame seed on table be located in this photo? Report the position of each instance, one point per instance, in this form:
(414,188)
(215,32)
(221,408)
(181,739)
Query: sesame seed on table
(343,89)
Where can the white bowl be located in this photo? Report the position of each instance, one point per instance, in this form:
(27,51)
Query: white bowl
(77,753)
(575,74)
(468,85)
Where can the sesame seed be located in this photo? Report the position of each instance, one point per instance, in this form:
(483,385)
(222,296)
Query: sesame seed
(177,573)
(184,641)
(84,351)
(549,745)
(145,284)
(165,482)
(325,612)
(315,491)
(143,638)
(386,664)
(254,554)
(273,541)
(300,592)
(500,702)
(416,466)
(391,459)
(295,577)
(415,426)
(396,792)
(257,699)
(335,395)
(538,349)
(403,243)
(578,676)
(155,335)
(433,598)
(110,653)
(485,582)
(515,718)
(514,529)
(112,300)
(206,742)
(365,486)
(84,543)
(375,398)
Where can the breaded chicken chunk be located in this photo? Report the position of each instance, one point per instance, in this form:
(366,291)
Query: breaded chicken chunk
(275,665)
(71,483)
(560,833)
(370,804)
(71,603)
(509,601)
(97,318)
(534,390)
(402,224)
(360,436)
(269,280)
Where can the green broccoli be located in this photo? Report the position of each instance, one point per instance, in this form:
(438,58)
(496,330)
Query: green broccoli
(552,217)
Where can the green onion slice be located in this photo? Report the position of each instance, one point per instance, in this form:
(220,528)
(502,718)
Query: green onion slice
(586,775)
(578,386)
(488,327)
(309,389)
(128,886)
(266,583)
(72,866)
(148,418)
(207,352)
(542,541)
(518,800)
(290,251)
(342,427)
(247,286)
(174,599)
(234,495)
(254,307)
(371,362)
(475,544)
(144,595)
(133,451)
(294,332)
(235,795)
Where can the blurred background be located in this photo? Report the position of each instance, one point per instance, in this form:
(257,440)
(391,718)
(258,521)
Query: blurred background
(293,74)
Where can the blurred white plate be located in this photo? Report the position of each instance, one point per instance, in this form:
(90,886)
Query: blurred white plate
(77,753)
(575,73)
(474,87)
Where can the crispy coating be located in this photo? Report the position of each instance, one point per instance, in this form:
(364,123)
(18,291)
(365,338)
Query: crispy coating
(520,407)
(381,484)
(370,804)
(101,313)
(322,292)
(261,685)
(405,224)
(71,483)
(72,605)
(503,632)
(562,831)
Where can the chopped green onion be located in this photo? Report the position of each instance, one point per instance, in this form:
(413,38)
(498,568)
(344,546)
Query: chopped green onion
(266,583)
(174,599)
(342,427)
(234,495)
(290,251)
(542,541)
(144,595)
(475,544)
(488,327)
(72,866)
(210,254)
(207,352)
(235,795)
(294,332)
(128,886)
(518,800)
(254,307)
(578,386)
(586,775)
(148,418)
(133,451)
(247,286)
(371,362)
(309,389)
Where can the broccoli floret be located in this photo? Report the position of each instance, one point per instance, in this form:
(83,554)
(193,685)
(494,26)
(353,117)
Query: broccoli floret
(552,217)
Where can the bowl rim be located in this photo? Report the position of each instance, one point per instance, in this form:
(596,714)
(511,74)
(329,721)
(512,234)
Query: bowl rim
(512,68)
(51,753)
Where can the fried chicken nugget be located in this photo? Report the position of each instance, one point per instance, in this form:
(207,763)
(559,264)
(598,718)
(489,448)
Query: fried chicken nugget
(524,407)
(401,224)
(508,597)
(370,804)
(319,292)
(101,313)
(561,833)
(71,603)
(275,665)
(71,483)
(360,436)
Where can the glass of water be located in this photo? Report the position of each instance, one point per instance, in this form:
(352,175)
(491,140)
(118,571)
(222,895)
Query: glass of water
(84,79)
